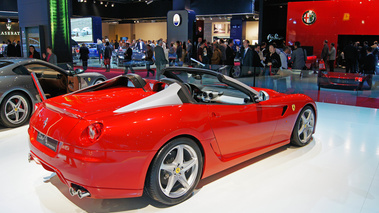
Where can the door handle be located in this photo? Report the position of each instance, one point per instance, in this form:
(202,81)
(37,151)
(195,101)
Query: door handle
(215,115)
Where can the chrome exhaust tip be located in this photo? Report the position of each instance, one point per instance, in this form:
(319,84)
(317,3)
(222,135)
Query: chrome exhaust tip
(83,194)
(72,191)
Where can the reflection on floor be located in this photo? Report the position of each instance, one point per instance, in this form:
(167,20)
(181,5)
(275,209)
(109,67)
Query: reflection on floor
(337,172)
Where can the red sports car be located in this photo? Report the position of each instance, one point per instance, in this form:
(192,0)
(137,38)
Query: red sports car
(126,135)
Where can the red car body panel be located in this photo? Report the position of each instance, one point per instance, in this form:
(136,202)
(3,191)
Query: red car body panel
(117,164)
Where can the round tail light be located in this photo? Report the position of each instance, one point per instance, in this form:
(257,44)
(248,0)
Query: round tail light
(92,133)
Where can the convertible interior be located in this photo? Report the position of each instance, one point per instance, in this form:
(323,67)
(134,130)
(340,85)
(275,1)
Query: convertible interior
(53,83)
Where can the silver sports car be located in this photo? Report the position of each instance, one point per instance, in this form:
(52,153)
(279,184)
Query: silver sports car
(18,91)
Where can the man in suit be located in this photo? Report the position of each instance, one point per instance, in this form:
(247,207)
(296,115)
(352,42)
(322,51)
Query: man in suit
(84,52)
(128,59)
(160,59)
(257,63)
(246,59)
(368,68)
(189,51)
(325,51)
(298,57)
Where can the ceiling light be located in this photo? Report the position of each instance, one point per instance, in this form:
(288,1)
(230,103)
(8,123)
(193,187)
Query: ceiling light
(94,2)
(149,2)
(101,2)
(85,1)
(112,5)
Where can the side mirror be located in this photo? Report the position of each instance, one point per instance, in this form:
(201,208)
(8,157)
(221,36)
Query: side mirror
(78,71)
(263,96)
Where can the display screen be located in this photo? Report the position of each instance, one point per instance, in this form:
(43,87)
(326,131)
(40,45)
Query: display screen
(81,29)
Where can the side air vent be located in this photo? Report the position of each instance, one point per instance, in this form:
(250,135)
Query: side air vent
(284,109)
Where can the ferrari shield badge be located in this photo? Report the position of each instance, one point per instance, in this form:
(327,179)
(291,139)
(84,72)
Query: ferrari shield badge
(89,79)
(309,17)
(293,107)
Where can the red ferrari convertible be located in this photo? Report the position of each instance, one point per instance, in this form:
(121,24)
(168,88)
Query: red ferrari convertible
(128,135)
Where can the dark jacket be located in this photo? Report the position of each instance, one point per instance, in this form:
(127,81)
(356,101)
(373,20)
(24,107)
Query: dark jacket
(128,54)
(230,55)
(256,60)
(247,58)
(298,58)
(107,52)
(325,52)
(179,50)
(369,64)
(160,57)
(149,55)
(274,59)
(35,54)
(83,51)
(350,52)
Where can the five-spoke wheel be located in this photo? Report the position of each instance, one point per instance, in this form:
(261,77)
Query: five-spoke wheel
(304,127)
(175,171)
(15,110)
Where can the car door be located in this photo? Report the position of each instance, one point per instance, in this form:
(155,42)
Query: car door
(241,129)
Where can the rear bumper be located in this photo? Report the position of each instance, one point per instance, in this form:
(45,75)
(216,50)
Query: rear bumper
(105,174)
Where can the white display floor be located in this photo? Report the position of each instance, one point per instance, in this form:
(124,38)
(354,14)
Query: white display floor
(337,172)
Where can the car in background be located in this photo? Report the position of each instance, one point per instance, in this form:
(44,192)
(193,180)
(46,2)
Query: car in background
(75,32)
(118,57)
(18,90)
(129,136)
(344,81)
(86,31)
(93,52)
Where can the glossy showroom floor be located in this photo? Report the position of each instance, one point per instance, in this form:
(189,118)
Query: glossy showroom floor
(337,172)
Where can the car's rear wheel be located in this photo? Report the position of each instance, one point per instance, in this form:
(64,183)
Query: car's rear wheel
(303,130)
(15,110)
(175,172)
(98,81)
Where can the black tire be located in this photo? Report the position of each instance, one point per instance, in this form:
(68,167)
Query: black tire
(157,177)
(15,98)
(303,129)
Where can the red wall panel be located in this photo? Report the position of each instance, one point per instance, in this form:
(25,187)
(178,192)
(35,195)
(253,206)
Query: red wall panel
(337,17)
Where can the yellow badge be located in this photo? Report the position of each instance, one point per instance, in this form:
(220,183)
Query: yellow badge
(177,170)
(89,79)
(293,107)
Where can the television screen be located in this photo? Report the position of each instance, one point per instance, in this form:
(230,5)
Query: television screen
(81,29)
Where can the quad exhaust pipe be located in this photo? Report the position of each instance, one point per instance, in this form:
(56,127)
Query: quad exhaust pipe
(82,193)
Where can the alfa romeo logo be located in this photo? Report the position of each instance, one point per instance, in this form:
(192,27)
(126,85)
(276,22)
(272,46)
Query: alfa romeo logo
(309,17)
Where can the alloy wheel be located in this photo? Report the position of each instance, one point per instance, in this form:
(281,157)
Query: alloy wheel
(306,126)
(178,171)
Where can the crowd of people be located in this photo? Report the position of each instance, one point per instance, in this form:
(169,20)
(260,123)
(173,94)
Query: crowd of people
(10,49)
(13,49)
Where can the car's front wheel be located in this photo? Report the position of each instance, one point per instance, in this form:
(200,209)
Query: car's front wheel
(303,130)
(175,172)
(15,110)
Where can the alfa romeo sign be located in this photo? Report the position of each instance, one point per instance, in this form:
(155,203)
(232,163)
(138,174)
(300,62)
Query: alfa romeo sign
(309,17)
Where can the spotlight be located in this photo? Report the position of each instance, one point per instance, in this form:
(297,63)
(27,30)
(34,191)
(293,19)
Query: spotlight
(94,2)
(80,0)
(112,5)
(106,5)
(85,1)
(101,2)
(149,2)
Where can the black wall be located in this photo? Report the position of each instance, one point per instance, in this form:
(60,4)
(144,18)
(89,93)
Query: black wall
(122,11)
(205,7)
